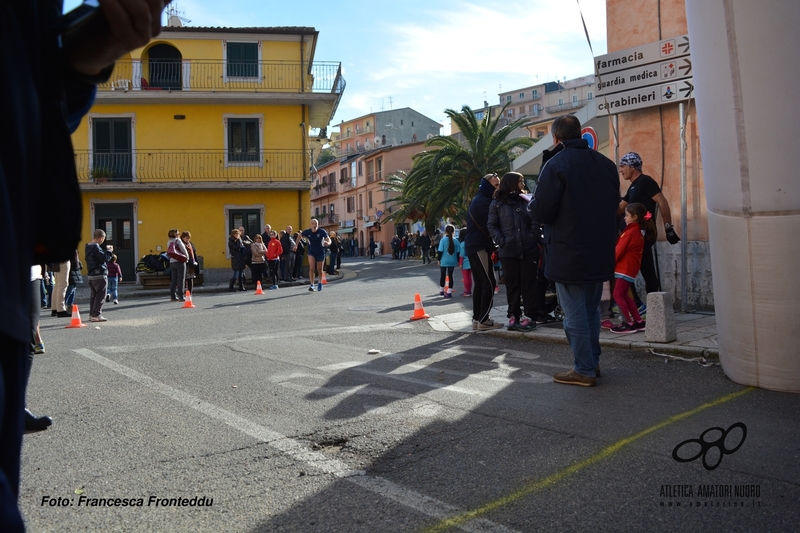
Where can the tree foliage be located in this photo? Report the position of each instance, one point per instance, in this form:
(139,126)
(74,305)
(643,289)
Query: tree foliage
(443,179)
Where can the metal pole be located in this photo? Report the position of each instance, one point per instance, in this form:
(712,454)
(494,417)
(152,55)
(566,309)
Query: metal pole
(684,259)
(615,119)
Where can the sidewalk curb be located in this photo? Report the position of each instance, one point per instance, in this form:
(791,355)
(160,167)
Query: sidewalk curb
(667,349)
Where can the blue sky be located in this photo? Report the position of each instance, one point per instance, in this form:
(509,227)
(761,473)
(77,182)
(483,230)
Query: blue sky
(428,55)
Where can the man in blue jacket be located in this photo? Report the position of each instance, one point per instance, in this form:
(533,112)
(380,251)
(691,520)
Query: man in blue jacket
(576,201)
(49,84)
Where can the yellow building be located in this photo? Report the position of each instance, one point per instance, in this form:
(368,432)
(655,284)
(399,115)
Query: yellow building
(205,130)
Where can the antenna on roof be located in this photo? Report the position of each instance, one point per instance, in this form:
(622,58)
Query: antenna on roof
(175,18)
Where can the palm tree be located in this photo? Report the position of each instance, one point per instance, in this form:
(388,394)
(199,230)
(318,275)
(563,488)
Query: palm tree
(443,180)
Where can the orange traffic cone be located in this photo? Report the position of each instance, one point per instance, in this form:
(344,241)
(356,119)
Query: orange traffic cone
(76,318)
(324,279)
(258,288)
(447,289)
(419,311)
(187,304)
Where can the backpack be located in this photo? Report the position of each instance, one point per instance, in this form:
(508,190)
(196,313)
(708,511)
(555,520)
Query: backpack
(152,263)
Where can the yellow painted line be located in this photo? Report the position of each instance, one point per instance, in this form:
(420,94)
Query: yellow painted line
(552,479)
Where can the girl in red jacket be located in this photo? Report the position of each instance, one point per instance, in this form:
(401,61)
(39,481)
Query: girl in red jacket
(274,251)
(630,247)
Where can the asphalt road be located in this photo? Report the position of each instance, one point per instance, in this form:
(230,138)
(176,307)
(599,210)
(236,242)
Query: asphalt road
(272,412)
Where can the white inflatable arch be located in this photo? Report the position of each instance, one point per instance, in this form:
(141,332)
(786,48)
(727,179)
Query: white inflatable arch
(747,77)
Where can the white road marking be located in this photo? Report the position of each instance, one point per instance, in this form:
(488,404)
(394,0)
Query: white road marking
(297,451)
(322,329)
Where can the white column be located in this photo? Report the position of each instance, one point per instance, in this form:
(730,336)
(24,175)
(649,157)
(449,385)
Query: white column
(746,72)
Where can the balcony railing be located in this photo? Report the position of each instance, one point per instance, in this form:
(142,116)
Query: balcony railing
(365,129)
(566,106)
(188,166)
(221,75)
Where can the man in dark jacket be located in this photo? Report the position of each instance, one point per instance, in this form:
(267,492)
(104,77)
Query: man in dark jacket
(49,85)
(576,201)
(479,246)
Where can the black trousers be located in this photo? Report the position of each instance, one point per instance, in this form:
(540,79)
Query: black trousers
(521,284)
(483,291)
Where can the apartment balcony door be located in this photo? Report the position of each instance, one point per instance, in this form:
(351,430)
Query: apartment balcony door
(164,62)
(112,158)
(117,221)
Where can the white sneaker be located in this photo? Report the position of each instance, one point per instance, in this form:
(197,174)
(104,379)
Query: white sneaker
(99,318)
(108,297)
(116,301)
(489,324)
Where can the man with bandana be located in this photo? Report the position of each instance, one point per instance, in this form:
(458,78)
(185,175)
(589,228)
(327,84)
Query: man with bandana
(645,190)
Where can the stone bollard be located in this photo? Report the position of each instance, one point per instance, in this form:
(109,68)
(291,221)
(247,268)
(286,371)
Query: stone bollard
(660,318)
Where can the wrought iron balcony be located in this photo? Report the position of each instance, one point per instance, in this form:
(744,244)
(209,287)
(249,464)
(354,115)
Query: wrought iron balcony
(186,166)
(222,75)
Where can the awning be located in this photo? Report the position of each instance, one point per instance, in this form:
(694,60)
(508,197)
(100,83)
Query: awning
(345,230)
(370,224)
(530,161)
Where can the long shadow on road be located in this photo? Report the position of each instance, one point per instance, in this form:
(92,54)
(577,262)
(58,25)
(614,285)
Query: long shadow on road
(526,454)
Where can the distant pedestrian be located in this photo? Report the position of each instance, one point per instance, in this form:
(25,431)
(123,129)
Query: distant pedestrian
(318,240)
(192,266)
(236,251)
(425,246)
(299,253)
(178,257)
(96,260)
(372,247)
(274,251)
(259,258)
(114,278)
(448,253)
(466,267)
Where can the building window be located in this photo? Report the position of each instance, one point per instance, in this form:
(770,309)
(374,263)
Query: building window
(243,139)
(479,115)
(112,151)
(560,101)
(379,172)
(343,176)
(522,110)
(510,113)
(316,212)
(535,93)
(508,98)
(360,168)
(330,210)
(351,204)
(242,60)
(369,199)
(522,95)
(574,98)
(589,96)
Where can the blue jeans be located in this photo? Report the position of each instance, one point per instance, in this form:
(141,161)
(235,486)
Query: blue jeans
(113,283)
(582,323)
(69,299)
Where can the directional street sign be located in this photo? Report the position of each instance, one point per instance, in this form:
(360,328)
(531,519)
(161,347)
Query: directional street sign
(649,75)
(642,55)
(653,95)
(644,76)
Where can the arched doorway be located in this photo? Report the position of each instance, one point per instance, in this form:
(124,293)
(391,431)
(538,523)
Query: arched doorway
(164,65)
